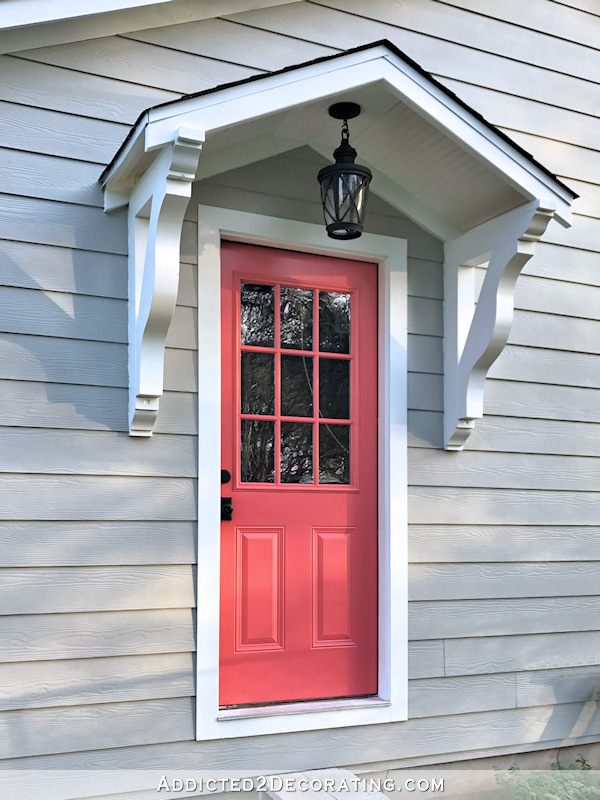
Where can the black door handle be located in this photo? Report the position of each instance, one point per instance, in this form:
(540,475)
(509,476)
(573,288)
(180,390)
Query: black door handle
(226,509)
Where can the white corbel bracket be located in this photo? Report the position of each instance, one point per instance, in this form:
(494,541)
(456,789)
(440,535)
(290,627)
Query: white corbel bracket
(157,206)
(476,329)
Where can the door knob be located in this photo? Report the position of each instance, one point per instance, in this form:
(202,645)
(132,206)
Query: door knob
(226,509)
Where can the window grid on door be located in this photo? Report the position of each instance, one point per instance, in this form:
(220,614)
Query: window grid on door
(280,352)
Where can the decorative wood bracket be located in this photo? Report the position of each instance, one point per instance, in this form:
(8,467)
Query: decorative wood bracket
(155,218)
(476,329)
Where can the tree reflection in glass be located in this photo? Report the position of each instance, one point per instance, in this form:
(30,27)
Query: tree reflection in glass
(334,322)
(258,451)
(334,453)
(296,452)
(296,318)
(258,315)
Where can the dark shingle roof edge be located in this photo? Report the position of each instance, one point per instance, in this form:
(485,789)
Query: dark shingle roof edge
(381,42)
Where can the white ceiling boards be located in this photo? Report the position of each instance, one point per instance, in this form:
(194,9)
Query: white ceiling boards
(432,158)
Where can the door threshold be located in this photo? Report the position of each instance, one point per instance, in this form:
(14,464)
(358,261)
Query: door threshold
(300,707)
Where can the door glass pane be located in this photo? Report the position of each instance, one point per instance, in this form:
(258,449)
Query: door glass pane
(334,453)
(258,440)
(258,383)
(258,314)
(334,388)
(334,322)
(296,386)
(296,452)
(296,318)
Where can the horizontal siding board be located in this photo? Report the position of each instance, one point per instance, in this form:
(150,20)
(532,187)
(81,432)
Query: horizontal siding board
(546,687)
(443,696)
(425,428)
(490,543)
(572,164)
(425,391)
(64,224)
(566,263)
(93,497)
(50,178)
(69,729)
(425,659)
(256,48)
(539,651)
(74,316)
(97,543)
(181,370)
(440,23)
(141,63)
(45,684)
(458,619)
(60,451)
(43,637)
(183,332)
(62,269)
(425,354)
(59,590)
(534,436)
(425,279)
(53,405)
(504,580)
(539,401)
(74,92)
(575,334)
(467,506)
(513,729)
(25,127)
(44,358)
(188,285)
(427,467)
(552,297)
(425,316)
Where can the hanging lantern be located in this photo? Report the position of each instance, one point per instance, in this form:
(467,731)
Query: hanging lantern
(344,185)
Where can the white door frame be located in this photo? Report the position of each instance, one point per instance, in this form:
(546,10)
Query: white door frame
(215,224)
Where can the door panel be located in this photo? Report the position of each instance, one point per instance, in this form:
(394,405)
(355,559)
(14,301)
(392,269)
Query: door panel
(299,434)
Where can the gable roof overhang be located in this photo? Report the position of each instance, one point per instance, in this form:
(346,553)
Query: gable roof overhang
(433,158)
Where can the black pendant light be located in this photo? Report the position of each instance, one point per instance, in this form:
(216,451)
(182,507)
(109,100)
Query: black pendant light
(344,185)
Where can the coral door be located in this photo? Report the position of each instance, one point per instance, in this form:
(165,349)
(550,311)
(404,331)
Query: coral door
(299,454)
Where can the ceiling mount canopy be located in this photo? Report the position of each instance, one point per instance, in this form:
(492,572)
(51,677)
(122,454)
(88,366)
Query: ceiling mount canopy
(495,202)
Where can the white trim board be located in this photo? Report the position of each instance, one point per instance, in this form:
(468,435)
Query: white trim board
(215,224)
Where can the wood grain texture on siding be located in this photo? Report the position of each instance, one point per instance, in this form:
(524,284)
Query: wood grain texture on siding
(56,590)
(477,732)
(535,652)
(459,506)
(425,659)
(535,436)
(25,127)
(470,618)
(96,497)
(45,637)
(71,728)
(73,92)
(34,404)
(442,696)
(25,219)
(572,164)
(260,49)
(42,684)
(428,467)
(566,263)
(143,64)
(44,358)
(97,543)
(73,316)
(502,580)
(495,543)
(575,334)
(547,687)
(539,401)
(60,451)
(63,270)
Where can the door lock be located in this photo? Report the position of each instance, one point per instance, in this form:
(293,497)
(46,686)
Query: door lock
(226,509)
